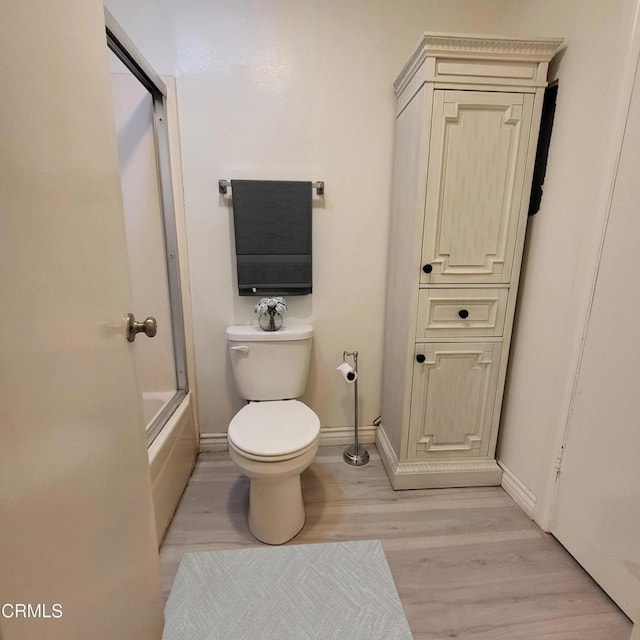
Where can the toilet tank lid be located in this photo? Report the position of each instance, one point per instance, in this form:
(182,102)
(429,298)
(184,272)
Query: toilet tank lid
(253,333)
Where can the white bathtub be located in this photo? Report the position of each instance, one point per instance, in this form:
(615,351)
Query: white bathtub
(152,403)
(172,456)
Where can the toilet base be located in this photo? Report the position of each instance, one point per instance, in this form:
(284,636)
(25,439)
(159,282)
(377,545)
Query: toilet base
(276,509)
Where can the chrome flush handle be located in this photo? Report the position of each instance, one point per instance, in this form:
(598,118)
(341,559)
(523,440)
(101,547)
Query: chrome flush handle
(149,327)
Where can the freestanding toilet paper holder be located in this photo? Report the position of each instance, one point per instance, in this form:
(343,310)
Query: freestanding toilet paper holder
(355,454)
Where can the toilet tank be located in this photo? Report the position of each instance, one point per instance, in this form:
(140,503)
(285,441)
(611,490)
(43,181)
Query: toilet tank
(270,365)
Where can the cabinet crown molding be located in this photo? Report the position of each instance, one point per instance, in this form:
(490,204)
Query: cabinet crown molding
(477,47)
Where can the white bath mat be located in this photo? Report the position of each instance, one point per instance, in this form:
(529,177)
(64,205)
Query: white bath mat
(298,592)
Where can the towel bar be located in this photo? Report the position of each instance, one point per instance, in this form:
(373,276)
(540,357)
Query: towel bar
(224,185)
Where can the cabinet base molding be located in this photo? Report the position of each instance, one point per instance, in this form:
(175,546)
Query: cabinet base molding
(433,475)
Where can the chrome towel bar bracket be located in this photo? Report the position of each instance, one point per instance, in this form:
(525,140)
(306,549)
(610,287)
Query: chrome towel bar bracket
(225,185)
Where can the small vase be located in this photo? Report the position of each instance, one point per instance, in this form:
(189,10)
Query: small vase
(270,321)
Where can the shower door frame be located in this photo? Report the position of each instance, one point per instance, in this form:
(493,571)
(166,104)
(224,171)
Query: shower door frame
(122,46)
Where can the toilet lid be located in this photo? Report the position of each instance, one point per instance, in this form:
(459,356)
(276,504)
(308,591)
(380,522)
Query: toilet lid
(274,428)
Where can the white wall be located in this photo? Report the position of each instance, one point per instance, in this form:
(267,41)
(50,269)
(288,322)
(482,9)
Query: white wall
(562,239)
(289,90)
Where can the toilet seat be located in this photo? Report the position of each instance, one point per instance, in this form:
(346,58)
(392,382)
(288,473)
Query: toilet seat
(274,430)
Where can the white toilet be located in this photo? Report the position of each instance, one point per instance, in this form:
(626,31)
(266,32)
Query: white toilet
(274,438)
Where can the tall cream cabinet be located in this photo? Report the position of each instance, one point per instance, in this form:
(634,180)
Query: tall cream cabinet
(466,130)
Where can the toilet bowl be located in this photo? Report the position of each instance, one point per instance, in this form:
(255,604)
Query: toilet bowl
(273,462)
(274,438)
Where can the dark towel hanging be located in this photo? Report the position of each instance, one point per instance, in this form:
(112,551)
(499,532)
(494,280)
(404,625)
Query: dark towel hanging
(272,223)
(542,152)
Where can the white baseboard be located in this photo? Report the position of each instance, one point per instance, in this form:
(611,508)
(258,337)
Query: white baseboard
(328,436)
(210,442)
(517,490)
(344,435)
(387,454)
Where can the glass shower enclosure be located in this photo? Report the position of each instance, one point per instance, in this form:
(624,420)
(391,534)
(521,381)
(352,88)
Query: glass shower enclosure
(143,151)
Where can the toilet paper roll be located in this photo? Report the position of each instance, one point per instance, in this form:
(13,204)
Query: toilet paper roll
(347,372)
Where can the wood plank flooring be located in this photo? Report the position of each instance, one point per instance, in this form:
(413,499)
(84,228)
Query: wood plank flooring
(468,563)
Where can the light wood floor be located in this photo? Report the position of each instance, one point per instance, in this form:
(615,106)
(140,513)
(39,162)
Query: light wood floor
(467,563)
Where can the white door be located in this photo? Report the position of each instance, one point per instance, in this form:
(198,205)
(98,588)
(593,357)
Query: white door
(75,503)
(597,509)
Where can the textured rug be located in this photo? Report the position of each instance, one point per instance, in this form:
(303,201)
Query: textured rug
(298,592)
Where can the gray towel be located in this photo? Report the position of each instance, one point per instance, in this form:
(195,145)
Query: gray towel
(272,222)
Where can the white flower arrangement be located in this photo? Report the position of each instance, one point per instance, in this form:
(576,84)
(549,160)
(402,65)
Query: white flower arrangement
(272,306)
(270,312)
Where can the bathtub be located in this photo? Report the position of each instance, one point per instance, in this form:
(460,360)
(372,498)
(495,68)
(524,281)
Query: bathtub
(152,403)
(172,456)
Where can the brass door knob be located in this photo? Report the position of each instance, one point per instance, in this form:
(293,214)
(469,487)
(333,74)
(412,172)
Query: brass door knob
(149,327)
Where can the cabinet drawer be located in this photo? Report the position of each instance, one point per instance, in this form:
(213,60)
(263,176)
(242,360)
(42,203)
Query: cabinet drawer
(461,312)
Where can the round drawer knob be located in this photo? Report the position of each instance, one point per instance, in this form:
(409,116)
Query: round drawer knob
(463,313)
(420,358)
(427,268)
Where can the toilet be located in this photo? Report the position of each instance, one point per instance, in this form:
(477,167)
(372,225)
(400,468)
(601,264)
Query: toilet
(273,438)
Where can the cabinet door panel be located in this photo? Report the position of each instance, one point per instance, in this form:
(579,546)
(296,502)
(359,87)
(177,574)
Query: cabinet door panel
(474,200)
(452,401)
